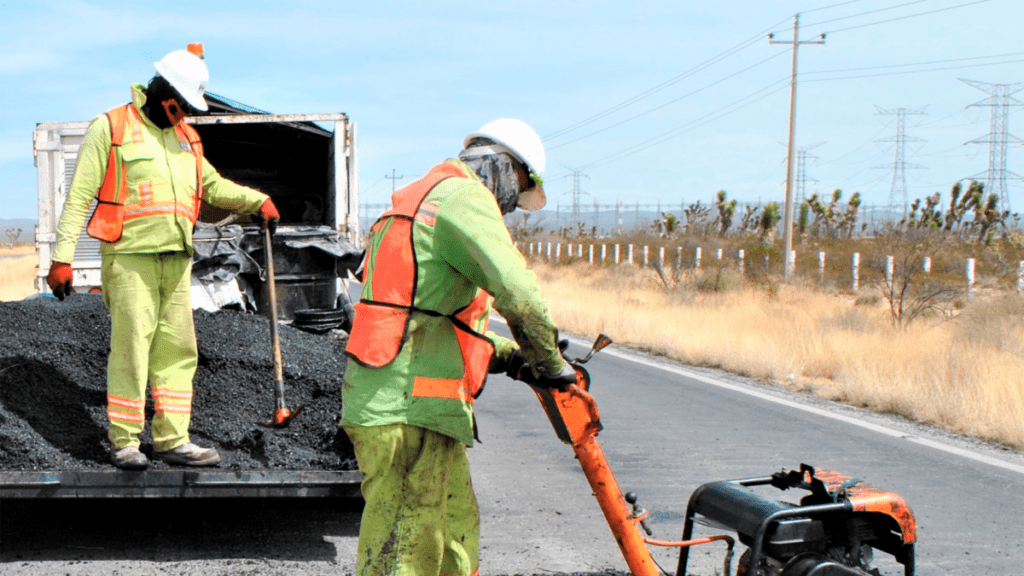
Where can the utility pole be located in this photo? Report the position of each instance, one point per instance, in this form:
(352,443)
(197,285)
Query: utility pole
(998,137)
(787,222)
(898,190)
(393,178)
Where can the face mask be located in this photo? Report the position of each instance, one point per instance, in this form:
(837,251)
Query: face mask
(497,172)
(175,112)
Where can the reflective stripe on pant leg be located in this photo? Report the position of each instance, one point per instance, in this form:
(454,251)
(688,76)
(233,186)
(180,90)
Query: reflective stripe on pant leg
(405,486)
(173,356)
(462,531)
(130,296)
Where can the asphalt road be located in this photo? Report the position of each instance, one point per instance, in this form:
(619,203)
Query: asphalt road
(668,429)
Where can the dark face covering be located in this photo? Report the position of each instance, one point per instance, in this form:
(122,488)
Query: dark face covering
(498,174)
(164,105)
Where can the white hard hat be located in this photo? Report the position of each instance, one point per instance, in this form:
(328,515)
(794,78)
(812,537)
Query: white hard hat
(524,143)
(187,73)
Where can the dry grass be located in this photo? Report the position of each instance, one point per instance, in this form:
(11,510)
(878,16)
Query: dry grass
(964,375)
(19,265)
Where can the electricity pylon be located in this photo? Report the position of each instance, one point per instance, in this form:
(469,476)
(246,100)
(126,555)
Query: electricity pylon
(898,190)
(1000,99)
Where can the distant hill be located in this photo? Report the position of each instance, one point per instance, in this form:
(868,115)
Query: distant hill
(27,227)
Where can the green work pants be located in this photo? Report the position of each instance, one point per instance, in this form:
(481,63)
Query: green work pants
(421,516)
(152,339)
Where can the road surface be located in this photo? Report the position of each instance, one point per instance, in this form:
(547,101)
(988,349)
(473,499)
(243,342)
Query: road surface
(668,429)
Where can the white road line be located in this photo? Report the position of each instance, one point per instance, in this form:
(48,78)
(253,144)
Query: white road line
(797,405)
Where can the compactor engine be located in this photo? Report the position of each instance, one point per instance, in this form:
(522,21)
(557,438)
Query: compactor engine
(835,528)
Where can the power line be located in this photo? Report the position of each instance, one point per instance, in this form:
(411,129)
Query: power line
(679,130)
(908,16)
(915,63)
(961,111)
(914,71)
(866,13)
(828,7)
(673,101)
(713,60)
(865,143)
(374,185)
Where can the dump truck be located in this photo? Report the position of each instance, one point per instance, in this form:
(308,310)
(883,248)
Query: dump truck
(309,170)
(307,164)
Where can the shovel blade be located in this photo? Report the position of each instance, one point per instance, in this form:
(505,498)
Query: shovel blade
(282,418)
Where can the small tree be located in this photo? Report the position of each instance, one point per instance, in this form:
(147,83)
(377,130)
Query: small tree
(831,220)
(960,205)
(767,223)
(987,216)
(749,222)
(726,210)
(804,220)
(671,224)
(848,222)
(696,214)
(909,292)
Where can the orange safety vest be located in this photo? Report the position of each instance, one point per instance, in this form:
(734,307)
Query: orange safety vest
(107,222)
(382,323)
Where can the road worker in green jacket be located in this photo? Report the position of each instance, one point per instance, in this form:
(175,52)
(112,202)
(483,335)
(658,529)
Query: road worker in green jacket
(436,264)
(147,170)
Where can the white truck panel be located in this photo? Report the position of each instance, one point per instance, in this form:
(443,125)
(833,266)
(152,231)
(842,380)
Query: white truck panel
(56,154)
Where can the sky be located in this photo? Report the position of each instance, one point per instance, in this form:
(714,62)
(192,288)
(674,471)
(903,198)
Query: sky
(639,102)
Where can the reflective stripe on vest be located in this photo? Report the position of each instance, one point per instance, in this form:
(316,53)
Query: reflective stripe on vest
(382,315)
(107,222)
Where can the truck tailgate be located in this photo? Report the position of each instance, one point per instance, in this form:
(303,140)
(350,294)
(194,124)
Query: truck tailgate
(205,483)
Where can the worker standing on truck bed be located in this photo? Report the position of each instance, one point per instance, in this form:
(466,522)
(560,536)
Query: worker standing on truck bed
(145,165)
(435,264)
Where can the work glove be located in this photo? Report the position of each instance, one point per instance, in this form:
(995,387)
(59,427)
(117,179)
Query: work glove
(562,380)
(59,279)
(514,367)
(268,215)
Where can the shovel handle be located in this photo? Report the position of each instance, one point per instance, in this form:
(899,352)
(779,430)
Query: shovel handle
(275,337)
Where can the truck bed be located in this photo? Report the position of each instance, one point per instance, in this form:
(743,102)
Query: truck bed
(179,483)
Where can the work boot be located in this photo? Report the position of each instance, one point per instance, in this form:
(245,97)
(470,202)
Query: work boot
(129,458)
(188,454)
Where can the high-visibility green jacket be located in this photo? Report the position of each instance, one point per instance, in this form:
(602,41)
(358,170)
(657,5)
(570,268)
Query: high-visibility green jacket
(161,175)
(461,247)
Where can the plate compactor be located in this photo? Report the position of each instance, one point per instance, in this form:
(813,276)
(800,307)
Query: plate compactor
(833,530)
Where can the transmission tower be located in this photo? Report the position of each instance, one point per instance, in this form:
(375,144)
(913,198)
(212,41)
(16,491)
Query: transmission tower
(801,172)
(1000,99)
(898,191)
(576,193)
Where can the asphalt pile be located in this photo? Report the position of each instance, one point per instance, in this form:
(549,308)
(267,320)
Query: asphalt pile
(53,358)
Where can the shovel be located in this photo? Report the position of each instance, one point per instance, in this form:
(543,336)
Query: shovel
(282,414)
